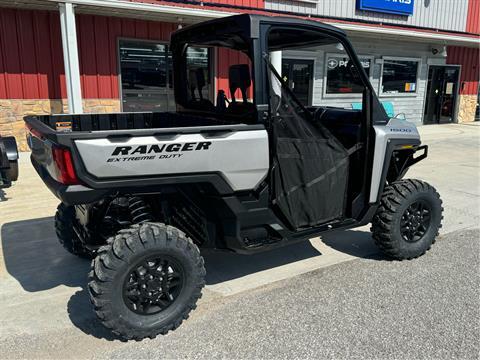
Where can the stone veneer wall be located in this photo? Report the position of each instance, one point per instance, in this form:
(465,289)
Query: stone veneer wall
(13,111)
(101,105)
(466,108)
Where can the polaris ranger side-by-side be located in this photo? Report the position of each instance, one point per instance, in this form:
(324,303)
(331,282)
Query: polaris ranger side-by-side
(141,193)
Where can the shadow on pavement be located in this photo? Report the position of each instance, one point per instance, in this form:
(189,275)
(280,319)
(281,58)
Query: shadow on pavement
(82,316)
(353,242)
(36,260)
(222,266)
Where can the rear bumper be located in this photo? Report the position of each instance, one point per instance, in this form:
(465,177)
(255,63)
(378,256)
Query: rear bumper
(68,194)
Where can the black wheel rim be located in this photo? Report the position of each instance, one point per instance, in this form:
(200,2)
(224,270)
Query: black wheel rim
(153,285)
(415,221)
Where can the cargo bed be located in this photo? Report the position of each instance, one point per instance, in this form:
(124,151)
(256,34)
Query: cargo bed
(125,121)
(109,152)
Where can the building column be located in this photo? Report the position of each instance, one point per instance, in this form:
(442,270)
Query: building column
(276,61)
(70,58)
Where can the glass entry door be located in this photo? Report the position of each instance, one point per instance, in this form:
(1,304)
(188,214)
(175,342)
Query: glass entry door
(299,76)
(441,94)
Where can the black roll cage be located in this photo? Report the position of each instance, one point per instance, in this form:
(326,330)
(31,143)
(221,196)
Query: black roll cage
(249,33)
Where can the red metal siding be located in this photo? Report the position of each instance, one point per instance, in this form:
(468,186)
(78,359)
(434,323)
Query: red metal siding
(31,57)
(259,4)
(468,58)
(226,58)
(98,53)
(473,17)
(31,60)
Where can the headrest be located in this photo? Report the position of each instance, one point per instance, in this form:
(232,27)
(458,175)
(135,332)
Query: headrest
(192,78)
(196,78)
(200,75)
(239,78)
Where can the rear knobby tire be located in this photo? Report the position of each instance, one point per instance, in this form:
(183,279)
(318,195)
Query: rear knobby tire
(120,259)
(65,233)
(391,235)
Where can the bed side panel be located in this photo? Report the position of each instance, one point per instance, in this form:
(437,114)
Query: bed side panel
(242,157)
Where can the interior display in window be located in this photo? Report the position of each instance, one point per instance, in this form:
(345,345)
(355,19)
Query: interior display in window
(399,76)
(145,69)
(342,77)
(146,75)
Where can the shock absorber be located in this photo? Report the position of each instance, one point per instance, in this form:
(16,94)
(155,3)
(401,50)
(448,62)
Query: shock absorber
(139,210)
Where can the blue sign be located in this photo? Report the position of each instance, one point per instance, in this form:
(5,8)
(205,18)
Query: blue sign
(399,7)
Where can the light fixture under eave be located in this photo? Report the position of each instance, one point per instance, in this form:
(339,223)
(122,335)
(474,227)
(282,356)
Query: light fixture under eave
(444,52)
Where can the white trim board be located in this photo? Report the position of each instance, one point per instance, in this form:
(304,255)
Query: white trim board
(204,14)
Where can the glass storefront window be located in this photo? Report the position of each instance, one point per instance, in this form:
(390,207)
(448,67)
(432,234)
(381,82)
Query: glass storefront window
(147,77)
(399,76)
(342,77)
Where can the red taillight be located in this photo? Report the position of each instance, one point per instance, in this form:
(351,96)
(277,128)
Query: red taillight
(64,164)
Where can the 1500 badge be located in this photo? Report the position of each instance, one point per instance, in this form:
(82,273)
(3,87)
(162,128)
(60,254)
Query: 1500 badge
(148,152)
(405,130)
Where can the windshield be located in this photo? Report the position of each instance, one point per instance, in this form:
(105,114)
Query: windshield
(316,70)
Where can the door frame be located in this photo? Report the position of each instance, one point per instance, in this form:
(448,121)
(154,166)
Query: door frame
(457,94)
(294,57)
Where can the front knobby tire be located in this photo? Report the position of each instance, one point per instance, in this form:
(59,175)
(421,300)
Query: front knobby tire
(66,234)
(408,219)
(146,280)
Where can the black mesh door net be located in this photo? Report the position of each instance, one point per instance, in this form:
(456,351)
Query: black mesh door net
(310,166)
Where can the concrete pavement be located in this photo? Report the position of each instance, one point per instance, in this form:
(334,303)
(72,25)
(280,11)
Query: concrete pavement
(453,167)
(45,312)
(365,309)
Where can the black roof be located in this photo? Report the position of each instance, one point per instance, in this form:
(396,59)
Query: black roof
(243,25)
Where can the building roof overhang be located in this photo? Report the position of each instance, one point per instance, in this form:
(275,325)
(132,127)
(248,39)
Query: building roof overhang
(188,13)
